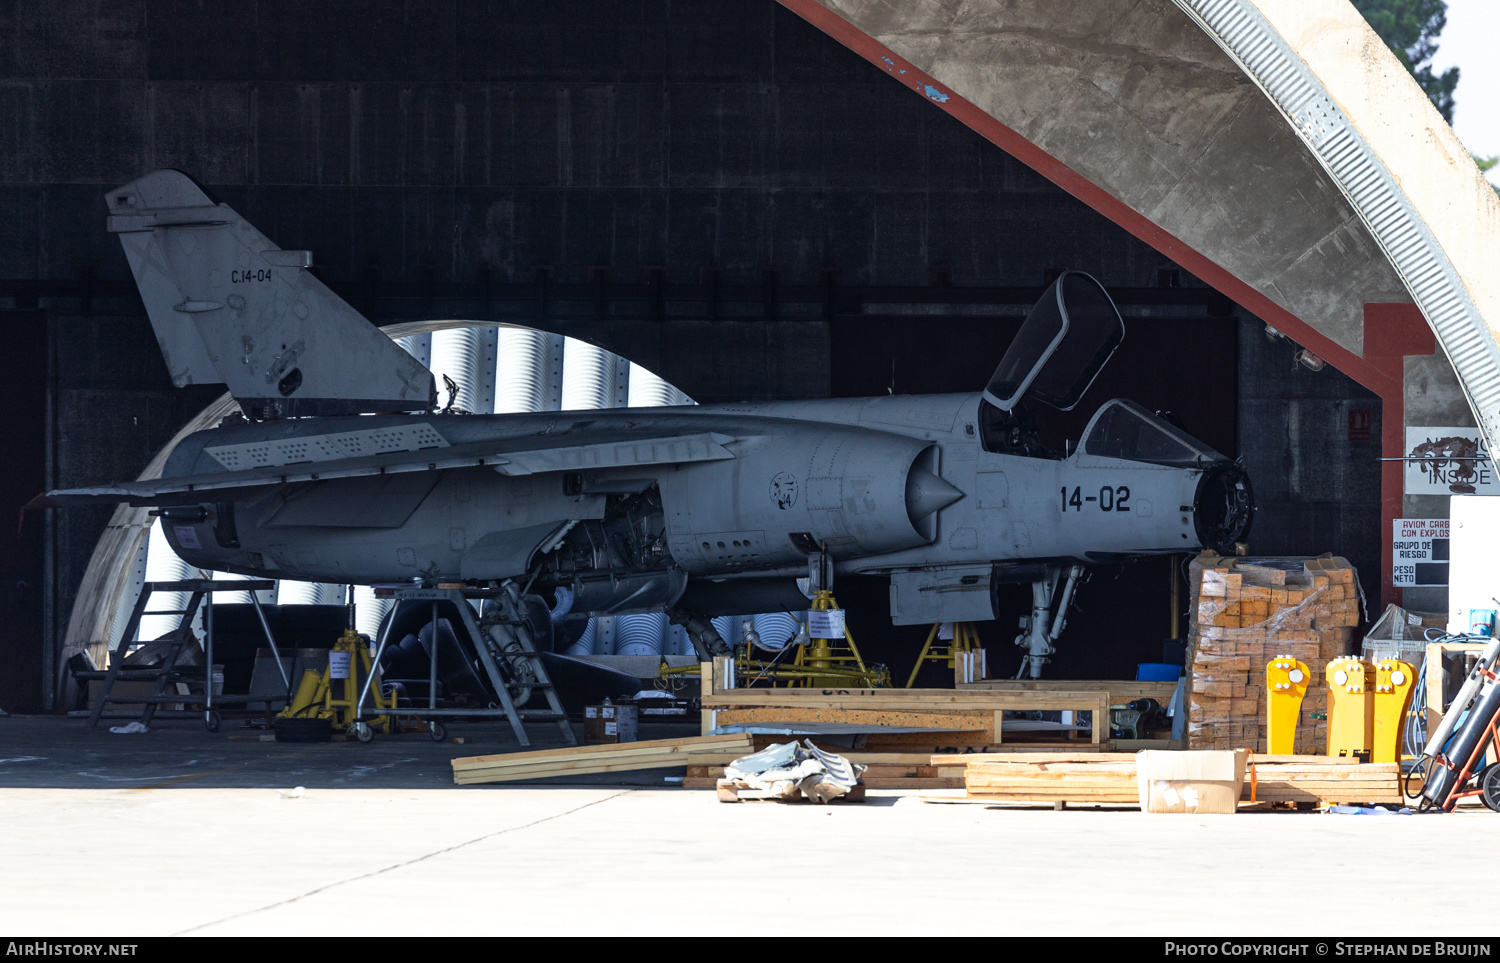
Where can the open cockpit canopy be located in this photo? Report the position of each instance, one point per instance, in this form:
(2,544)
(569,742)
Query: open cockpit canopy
(1062,346)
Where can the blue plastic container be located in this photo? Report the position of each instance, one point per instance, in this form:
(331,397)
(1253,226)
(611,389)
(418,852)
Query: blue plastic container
(1157,672)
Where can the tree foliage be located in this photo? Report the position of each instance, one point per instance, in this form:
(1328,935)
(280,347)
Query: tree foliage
(1410,28)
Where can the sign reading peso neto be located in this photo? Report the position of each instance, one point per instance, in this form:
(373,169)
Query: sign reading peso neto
(1420,555)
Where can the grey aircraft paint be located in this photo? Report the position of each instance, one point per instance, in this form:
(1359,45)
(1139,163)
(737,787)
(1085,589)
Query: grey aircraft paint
(699,511)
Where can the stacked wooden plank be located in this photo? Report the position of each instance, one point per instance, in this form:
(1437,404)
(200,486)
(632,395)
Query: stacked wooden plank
(1246,616)
(619,757)
(1118,691)
(969,717)
(1047,777)
(1111,778)
(949,721)
(1324,779)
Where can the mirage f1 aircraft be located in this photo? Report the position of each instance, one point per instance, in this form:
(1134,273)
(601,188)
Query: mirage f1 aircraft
(696,511)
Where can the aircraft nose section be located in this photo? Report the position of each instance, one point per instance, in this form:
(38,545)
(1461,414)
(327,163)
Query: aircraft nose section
(926,493)
(1223,506)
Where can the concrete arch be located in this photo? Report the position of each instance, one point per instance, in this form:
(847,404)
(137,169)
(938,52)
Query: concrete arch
(1274,148)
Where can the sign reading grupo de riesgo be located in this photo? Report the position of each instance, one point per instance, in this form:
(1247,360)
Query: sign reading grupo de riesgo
(1449,461)
(1419,553)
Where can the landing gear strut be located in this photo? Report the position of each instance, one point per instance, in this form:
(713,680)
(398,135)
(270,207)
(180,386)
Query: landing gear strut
(1042,627)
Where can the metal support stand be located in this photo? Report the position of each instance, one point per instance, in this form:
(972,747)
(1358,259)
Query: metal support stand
(965,639)
(168,672)
(827,664)
(517,651)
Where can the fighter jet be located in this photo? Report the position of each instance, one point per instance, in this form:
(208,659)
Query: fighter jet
(346,471)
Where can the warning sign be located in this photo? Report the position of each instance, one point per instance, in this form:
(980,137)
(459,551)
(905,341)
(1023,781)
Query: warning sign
(1449,461)
(826,624)
(1420,555)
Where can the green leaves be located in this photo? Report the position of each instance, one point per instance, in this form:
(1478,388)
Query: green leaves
(1410,28)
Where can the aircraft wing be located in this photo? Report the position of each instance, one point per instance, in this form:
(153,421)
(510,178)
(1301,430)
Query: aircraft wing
(511,456)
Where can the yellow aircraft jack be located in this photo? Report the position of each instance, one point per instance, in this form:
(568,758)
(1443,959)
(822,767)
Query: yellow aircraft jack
(815,663)
(831,665)
(965,639)
(332,693)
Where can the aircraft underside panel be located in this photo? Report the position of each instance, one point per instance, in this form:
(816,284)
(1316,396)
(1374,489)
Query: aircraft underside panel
(844,491)
(941,595)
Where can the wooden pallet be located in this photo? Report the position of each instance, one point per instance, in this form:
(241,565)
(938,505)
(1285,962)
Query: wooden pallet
(978,714)
(894,765)
(1111,778)
(1088,781)
(1434,657)
(1325,780)
(1118,691)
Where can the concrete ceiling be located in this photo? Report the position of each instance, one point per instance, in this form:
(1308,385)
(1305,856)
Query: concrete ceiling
(1275,148)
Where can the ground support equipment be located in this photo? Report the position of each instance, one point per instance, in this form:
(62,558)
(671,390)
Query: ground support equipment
(167,672)
(510,661)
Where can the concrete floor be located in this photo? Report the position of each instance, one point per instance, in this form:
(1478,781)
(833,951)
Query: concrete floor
(180,832)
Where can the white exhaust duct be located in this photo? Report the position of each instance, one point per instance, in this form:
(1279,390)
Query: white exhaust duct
(163,565)
(457,353)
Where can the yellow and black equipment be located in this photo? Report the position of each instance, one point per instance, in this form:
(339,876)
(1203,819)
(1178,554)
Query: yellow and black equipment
(1367,707)
(828,663)
(961,637)
(333,693)
(1351,714)
(822,654)
(1286,686)
(805,661)
(1395,683)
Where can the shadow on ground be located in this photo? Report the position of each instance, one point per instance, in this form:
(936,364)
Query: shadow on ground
(54,752)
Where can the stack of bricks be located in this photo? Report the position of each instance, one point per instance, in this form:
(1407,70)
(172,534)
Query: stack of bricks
(1247,615)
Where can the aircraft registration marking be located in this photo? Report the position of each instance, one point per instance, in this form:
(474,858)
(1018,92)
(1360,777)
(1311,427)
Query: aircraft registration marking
(1109,499)
(242,277)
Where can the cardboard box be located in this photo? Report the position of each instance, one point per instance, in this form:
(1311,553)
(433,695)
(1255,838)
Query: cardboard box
(607,724)
(1204,781)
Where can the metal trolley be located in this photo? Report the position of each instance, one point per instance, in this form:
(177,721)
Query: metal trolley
(505,650)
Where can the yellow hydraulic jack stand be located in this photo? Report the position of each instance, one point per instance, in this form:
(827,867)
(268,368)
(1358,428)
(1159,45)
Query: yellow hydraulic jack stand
(1393,694)
(332,693)
(965,638)
(1286,685)
(1351,717)
(820,655)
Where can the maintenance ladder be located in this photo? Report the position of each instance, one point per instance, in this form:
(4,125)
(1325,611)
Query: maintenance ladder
(167,672)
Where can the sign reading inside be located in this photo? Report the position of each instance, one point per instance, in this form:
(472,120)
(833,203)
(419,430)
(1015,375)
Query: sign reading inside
(1421,552)
(1449,461)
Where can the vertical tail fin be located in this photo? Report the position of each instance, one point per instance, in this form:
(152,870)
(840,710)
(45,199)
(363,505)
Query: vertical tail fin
(229,306)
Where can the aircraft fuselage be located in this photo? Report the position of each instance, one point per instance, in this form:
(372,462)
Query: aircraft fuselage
(900,486)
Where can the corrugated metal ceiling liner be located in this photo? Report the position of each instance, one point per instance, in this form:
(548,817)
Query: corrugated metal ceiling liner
(1241,30)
